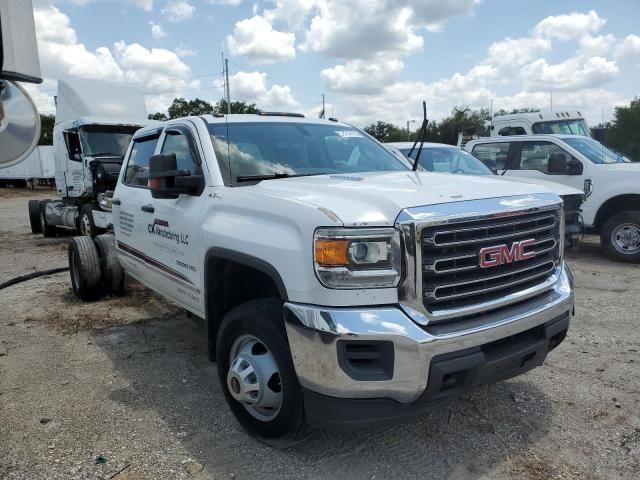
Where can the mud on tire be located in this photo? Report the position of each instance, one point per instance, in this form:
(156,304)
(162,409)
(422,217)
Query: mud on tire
(112,272)
(84,266)
(34,216)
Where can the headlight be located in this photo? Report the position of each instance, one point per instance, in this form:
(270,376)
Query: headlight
(357,257)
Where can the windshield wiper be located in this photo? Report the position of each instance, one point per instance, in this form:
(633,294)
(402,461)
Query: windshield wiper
(422,135)
(271,176)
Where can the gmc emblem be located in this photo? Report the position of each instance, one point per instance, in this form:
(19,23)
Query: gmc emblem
(501,254)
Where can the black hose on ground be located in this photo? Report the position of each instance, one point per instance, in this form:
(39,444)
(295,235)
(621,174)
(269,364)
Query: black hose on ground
(31,276)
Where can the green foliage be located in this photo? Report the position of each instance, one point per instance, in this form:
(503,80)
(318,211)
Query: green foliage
(181,107)
(623,133)
(158,116)
(46,129)
(445,131)
(236,107)
(185,108)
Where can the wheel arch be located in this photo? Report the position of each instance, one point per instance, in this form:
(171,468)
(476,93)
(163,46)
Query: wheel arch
(224,268)
(619,203)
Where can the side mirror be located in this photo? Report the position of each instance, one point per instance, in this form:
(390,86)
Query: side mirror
(558,163)
(166,181)
(504,131)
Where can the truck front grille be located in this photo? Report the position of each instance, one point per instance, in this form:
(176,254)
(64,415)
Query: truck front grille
(451,273)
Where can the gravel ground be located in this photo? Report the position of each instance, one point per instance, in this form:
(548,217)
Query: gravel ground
(121,389)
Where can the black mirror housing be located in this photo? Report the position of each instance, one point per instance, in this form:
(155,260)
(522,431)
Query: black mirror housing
(166,181)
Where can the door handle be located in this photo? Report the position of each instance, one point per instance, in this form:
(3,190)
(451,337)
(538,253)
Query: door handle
(115,201)
(147,208)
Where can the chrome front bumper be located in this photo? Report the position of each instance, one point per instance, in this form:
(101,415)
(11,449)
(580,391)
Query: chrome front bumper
(314,333)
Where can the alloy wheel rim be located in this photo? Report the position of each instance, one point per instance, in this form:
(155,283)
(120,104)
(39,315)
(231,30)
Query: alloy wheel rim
(625,238)
(85,225)
(253,378)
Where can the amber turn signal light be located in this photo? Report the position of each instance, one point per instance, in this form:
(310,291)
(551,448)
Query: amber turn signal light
(331,253)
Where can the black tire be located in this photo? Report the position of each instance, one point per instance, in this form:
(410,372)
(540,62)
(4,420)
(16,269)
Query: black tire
(86,226)
(263,319)
(46,229)
(112,272)
(84,266)
(614,229)
(34,216)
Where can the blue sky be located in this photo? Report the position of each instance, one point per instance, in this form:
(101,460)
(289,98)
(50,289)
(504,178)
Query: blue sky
(373,59)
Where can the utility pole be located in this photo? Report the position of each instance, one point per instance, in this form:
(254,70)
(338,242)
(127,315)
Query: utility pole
(226,76)
(323,111)
(408,131)
(551,100)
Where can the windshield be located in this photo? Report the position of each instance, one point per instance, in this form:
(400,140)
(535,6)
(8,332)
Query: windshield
(448,160)
(563,127)
(595,151)
(106,139)
(260,149)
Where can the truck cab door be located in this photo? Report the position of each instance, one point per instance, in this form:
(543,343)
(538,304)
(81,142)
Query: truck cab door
(173,231)
(130,221)
(545,160)
(73,175)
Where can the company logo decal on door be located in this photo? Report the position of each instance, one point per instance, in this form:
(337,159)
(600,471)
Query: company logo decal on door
(161,229)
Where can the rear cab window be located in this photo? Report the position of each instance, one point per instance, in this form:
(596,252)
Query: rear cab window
(493,155)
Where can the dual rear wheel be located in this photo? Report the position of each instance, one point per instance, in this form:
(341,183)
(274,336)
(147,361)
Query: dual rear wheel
(94,267)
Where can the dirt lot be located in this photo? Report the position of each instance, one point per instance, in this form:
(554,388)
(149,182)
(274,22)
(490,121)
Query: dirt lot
(121,389)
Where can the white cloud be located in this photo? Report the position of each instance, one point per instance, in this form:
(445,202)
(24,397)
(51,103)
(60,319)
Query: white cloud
(157,30)
(61,54)
(569,26)
(183,51)
(361,29)
(512,52)
(572,74)
(362,76)
(252,87)
(292,12)
(432,12)
(629,47)
(231,3)
(600,45)
(255,38)
(146,5)
(178,10)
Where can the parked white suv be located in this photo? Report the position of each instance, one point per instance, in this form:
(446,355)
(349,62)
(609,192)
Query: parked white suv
(610,181)
(338,287)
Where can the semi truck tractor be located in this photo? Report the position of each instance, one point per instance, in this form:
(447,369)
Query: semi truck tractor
(93,127)
(338,287)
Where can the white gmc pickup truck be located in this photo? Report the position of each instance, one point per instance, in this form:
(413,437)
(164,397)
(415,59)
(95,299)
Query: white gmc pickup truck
(338,287)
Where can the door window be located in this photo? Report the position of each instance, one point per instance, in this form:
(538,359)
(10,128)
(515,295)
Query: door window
(178,143)
(539,155)
(493,155)
(137,172)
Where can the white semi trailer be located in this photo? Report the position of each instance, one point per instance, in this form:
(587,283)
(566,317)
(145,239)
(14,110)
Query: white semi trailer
(94,125)
(38,166)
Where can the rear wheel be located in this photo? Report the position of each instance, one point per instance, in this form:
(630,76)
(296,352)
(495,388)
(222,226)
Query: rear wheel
(46,229)
(112,273)
(86,225)
(84,265)
(34,216)
(257,375)
(620,237)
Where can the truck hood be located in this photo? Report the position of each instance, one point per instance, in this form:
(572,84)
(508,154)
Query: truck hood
(557,188)
(377,198)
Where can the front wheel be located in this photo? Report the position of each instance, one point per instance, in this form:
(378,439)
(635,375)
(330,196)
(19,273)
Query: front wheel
(620,237)
(257,375)
(86,225)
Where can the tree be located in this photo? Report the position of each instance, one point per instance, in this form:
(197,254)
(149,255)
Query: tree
(158,116)
(386,132)
(623,133)
(236,107)
(46,129)
(182,107)
(463,120)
